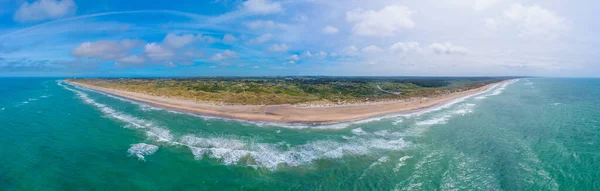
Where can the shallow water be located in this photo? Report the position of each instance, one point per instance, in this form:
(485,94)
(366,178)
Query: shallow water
(533,134)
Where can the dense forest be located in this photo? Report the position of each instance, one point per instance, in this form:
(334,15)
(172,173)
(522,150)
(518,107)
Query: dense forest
(293,90)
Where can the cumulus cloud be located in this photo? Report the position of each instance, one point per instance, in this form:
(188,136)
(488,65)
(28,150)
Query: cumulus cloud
(448,49)
(482,5)
(330,30)
(295,57)
(44,10)
(307,54)
(105,49)
(402,48)
(157,52)
(535,21)
(262,6)
(372,49)
(385,22)
(177,41)
(261,39)
(227,54)
(279,48)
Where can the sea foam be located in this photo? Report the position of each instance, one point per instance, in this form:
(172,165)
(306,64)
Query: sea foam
(232,150)
(142,149)
(273,155)
(154,131)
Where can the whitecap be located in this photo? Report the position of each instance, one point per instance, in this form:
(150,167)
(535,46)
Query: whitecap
(401,163)
(358,131)
(231,150)
(397,121)
(386,133)
(142,149)
(444,117)
(378,162)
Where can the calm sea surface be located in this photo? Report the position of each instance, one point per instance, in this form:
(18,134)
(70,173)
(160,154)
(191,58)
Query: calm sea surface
(531,134)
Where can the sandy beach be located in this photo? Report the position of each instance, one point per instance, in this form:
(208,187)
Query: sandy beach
(291,113)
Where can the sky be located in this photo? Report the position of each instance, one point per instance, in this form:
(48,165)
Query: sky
(135,38)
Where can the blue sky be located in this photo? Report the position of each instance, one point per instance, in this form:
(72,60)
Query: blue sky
(300,37)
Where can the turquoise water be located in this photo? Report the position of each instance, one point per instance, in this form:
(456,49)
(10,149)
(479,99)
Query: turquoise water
(532,134)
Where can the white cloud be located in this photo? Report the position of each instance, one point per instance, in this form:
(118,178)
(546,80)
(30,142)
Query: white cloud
(534,21)
(230,54)
(261,39)
(227,54)
(132,59)
(330,30)
(177,41)
(44,10)
(482,5)
(279,48)
(372,49)
(229,38)
(262,6)
(264,24)
(402,48)
(448,49)
(295,57)
(105,49)
(307,54)
(322,54)
(385,22)
(157,52)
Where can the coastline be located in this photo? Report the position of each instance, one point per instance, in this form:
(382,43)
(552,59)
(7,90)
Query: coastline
(292,113)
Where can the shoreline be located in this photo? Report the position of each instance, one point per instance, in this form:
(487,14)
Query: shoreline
(294,114)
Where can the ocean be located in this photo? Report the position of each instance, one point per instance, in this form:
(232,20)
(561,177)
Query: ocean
(528,134)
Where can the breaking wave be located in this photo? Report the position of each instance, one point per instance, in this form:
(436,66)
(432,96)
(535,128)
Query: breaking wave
(444,117)
(142,149)
(401,163)
(154,131)
(234,150)
(273,155)
(498,90)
